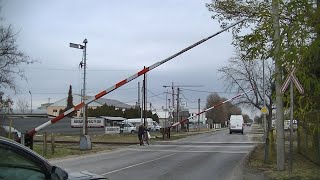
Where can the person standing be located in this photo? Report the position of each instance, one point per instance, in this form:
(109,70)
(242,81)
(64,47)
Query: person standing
(141,131)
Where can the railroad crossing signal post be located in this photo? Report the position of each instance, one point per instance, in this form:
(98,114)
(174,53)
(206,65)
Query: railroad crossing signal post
(292,79)
(85,140)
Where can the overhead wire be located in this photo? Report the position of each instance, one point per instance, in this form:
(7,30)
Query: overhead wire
(210,92)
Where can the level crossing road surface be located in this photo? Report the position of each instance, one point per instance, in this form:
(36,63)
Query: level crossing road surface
(215,155)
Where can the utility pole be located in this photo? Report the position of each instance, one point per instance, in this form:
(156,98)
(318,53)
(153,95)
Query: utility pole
(85,115)
(165,114)
(199,115)
(145,98)
(173,101)
(142,103)
(172,87)
(278,82)
(170,112)
(178,107)
(85,140)
(138,94)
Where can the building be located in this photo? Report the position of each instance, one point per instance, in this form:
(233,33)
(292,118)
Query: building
(55,108)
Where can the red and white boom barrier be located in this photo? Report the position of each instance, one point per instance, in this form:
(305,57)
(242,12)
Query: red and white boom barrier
(228,100)
(125,81)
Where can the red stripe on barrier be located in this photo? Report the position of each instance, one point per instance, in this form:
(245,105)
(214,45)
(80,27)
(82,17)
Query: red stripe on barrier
(77,107)
(119,84)
(102,93)
(32,132)
(57,118)
(143,71)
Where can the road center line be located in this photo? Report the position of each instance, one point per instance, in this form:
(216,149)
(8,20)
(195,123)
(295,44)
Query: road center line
(145,162)
(188,151)
(207,146)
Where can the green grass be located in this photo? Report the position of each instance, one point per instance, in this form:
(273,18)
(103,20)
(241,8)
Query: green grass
(63,150)
(302,168)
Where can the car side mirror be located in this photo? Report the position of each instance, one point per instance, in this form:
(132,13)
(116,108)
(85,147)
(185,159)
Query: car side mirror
(58,174)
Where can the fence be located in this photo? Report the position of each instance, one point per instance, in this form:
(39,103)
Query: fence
(309,136)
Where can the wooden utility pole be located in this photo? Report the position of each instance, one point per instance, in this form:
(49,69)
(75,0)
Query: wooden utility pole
(138,104)
(199,113)
(144,100)
(278,83)
(173,102)
(178,107)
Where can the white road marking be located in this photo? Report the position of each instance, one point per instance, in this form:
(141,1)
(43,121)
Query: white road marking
(117,170)
(200,146)
(188,151)
(221,142)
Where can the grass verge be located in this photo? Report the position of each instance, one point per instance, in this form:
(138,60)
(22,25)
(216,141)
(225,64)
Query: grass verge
(302,167)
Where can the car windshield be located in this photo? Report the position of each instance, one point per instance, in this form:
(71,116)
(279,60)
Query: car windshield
(15,166)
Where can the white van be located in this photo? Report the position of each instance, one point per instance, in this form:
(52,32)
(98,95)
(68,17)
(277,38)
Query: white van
(236,123)
(150,123)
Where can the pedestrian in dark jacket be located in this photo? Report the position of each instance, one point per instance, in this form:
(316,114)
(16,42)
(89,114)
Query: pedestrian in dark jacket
(141,131)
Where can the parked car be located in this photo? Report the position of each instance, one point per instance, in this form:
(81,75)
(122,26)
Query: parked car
(19,162)
(6,130)
(151,124)
(236,124)
(127,128)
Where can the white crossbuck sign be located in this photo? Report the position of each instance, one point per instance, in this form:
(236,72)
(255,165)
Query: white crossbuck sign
(291,77)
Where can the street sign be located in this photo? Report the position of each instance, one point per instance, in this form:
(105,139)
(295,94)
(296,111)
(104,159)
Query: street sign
(264,110)
(78,46)
(294,79)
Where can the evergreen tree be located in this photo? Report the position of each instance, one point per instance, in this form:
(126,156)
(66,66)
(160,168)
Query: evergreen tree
(70,102)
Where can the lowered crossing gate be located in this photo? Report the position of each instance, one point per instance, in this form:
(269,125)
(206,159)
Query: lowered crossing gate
(31,133)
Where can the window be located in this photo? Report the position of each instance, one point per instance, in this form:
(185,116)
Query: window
(55,110)
(15,166)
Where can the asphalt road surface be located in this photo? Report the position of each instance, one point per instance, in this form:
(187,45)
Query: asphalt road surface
(216,155)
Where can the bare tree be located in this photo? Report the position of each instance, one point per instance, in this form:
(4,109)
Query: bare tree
(11,58)
(23,105)
(242,74)
(222,113)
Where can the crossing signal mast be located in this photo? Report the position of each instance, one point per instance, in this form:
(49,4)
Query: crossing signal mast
(31,133)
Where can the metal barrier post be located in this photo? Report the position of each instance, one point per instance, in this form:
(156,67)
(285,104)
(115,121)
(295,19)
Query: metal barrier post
(22,138)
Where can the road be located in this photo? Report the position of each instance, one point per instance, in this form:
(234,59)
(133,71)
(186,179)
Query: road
(216,155)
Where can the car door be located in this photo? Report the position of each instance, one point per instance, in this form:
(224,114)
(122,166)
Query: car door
(18,163)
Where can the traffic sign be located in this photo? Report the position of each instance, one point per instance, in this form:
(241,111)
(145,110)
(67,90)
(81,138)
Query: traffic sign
(294,79)
(264,110)
(78,46)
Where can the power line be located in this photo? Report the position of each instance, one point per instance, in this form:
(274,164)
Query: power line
(187,98)
(210,92)
(59,69)
(156,95)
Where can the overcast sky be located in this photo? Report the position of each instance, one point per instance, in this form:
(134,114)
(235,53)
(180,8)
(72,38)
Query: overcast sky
(123,36)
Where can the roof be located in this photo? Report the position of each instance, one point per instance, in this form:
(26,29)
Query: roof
(114,118)
(162,114)
(112,102)
(96,103)
(76,100)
